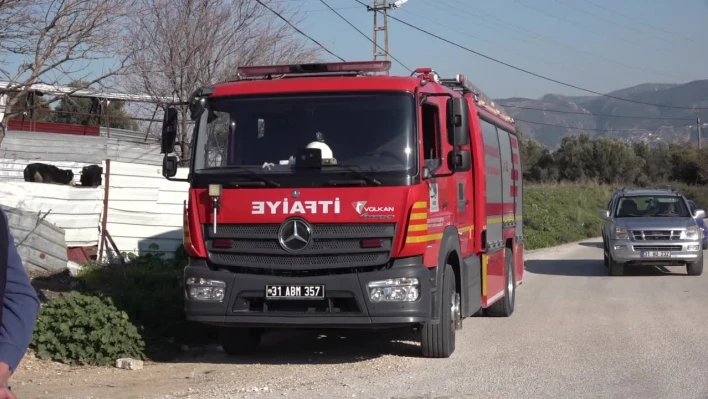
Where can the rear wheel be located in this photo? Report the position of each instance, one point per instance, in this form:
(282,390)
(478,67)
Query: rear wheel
(695,268)
(438,340)
(239,341)
(505,306)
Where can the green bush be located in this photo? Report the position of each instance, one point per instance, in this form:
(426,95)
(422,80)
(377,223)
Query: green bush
(150,290)
(557,214)
(84,329)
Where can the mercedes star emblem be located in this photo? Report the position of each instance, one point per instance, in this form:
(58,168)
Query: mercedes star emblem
(296,194)
(295,235)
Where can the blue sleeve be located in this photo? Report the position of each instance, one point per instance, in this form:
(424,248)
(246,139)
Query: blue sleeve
(20,308)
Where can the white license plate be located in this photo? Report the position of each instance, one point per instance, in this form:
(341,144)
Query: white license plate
(656,254)
(295,291)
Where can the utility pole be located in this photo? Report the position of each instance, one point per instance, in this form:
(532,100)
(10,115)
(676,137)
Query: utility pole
(698,128)
(380,26)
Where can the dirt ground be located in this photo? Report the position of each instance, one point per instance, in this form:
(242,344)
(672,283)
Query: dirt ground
(288,361)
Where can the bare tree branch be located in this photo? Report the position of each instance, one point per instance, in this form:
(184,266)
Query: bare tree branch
(178,46)
(58,41)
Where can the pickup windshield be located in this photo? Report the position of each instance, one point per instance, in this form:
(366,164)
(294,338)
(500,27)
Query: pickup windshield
(369,132)
(652,206)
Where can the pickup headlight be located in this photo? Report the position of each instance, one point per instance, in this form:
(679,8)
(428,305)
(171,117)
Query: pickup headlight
(621,233)
(691,233)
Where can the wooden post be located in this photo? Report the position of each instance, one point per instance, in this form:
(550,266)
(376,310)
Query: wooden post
(104,220)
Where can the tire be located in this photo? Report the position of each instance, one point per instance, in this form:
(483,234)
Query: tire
(615,268)
(505,306)
(605,255)
(438,340)
(239,341)
(695,268)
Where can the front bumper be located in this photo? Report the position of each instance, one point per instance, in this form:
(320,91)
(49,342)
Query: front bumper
(634,252)
(346,303)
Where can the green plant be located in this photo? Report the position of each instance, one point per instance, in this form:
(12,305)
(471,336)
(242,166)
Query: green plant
(150,290)
(84,329)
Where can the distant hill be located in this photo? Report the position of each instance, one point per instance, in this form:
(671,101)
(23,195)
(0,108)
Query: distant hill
(692,94)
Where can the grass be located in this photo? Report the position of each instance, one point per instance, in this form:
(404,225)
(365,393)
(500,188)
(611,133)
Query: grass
(562,213)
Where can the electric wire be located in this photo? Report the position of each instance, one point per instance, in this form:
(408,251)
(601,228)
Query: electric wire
(365,35)
(526,71)
(300,32)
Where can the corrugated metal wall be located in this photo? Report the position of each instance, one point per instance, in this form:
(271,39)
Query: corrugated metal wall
(86,150)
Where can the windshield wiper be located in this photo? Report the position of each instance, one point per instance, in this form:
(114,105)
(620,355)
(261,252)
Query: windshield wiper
(250,173)
(360,175)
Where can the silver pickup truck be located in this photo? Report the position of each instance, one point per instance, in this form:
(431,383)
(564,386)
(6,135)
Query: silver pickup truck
(651,227)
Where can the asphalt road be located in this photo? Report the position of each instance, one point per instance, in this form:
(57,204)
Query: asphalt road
(575,333)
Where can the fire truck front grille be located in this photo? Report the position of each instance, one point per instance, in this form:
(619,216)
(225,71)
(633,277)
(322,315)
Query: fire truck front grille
(332,246)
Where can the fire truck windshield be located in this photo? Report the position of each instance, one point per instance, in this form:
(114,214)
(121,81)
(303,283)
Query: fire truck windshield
(370,132)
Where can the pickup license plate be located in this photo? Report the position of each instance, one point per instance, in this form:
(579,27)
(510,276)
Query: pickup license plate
(656,254)
(295,291)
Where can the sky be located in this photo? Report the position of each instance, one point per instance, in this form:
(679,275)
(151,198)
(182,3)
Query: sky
(602,45)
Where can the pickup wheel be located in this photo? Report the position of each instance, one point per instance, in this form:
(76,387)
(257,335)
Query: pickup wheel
(695,268)
(438,340)
(239,341)
(605,255)
(505,306)
(616,268)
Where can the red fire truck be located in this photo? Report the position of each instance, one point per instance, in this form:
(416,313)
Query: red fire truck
(334,196)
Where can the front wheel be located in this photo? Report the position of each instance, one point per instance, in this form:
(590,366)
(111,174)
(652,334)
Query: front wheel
(695,268)
(616,268)
(438,340)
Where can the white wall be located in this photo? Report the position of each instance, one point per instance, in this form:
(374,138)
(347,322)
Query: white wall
(144,208)
(77,210)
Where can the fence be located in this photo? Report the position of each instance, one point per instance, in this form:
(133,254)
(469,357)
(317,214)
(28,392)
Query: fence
(144,212)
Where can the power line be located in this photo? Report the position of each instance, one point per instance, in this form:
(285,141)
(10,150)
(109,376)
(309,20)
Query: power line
(592,114)
(364,34)
(590,128)
(299,31)
(526,71)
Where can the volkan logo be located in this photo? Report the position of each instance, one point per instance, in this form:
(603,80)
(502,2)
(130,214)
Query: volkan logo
(359,206)
(363,210)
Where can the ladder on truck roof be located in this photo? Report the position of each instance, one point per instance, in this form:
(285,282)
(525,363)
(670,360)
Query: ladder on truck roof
(463,86)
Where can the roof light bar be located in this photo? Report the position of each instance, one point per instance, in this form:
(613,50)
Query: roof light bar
(360,66)
(482,100)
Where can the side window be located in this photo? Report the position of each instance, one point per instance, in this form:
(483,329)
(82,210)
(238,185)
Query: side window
(431,136)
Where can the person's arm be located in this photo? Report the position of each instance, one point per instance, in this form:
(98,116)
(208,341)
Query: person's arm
(20,308)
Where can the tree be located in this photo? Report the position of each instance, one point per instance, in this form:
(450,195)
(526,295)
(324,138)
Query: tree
(52,42)
(78,110)
(178,46)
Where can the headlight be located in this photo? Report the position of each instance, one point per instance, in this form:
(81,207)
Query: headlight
(691,233)
(201,289)
(394,290)
(621,233)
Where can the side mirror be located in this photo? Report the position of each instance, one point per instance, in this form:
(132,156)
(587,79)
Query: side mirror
(169,166)
(604,214)
(699,214)
(458,124)
(169,131)
(427,173)
(459,160)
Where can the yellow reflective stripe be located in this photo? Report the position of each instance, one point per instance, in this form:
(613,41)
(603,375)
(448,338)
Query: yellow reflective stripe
(465,229)
(418,227)
(425,238)
(484,274)
(419,216)
(420,205)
